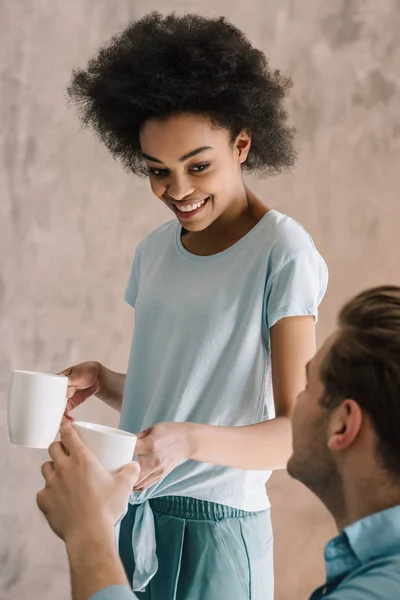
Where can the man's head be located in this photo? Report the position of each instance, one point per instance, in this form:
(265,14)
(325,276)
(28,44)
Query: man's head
(346,432)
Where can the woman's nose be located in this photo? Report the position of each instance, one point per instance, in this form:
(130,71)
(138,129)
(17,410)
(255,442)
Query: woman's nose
(180,188)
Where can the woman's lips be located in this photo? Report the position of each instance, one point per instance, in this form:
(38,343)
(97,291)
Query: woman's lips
(188,210)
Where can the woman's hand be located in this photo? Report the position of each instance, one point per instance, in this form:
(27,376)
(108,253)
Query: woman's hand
(160,449)
(83,382)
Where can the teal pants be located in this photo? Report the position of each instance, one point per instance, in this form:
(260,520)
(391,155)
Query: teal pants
(205,551)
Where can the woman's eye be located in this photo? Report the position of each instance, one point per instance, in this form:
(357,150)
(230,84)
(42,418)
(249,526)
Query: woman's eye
(157,172)
(199,168)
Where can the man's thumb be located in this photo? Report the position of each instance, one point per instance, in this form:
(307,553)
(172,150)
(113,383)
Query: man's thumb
(131,471)
(71,440)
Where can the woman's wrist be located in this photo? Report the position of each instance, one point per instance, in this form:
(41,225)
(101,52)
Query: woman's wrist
(101,378)
(195,436)
(111,387)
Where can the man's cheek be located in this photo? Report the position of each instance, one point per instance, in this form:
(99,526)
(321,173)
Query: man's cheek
(301,435)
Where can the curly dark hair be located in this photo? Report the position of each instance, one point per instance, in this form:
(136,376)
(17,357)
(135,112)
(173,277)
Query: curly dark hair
(165,65)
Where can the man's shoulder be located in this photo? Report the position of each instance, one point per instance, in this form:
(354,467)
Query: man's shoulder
(378,579)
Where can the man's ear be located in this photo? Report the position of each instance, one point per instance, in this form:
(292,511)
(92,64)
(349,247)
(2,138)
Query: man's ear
(344,426)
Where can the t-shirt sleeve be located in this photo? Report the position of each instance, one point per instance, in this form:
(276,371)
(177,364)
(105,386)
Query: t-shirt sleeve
(297,288)
(132,289)
(114,592)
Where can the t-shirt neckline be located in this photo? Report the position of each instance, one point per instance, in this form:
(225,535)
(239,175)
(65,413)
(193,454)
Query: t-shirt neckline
(242,240)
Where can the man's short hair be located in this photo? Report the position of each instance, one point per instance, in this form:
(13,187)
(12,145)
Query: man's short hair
(363,364)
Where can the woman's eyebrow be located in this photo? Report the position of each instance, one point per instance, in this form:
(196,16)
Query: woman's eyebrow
(182,159)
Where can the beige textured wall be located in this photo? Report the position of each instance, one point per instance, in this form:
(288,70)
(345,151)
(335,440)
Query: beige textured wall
(70,219)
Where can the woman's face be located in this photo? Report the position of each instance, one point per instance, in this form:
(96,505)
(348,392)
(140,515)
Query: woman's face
(193,167)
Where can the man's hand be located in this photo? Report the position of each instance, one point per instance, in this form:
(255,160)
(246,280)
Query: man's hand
(79,493)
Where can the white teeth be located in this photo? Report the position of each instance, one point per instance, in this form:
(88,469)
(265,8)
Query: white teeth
(190,207)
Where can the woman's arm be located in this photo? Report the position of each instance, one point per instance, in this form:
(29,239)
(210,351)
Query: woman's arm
(266,445)
(112,387)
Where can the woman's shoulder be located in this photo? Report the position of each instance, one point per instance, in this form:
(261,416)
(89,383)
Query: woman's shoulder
(289,242)
(159,237)
(287,235)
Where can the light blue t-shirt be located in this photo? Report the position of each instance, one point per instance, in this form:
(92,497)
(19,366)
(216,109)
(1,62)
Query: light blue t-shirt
(201,349)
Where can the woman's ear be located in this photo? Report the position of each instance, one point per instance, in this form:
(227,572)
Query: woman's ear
(242,145)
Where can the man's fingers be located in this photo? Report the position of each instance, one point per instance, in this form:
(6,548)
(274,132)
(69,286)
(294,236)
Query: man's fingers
(71,441)
(47,471)
(57,452)
(131,472)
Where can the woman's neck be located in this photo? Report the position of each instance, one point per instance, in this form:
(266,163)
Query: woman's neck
(229,228)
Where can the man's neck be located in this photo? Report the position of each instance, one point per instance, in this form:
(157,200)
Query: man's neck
(363,498)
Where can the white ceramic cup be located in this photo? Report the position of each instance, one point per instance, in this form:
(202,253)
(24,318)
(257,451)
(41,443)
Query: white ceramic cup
(112,447)
(36,404)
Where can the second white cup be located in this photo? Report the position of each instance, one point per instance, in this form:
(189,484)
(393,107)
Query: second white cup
(113,448)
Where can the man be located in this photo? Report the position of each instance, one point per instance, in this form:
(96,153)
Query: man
(346,449)
(346,446)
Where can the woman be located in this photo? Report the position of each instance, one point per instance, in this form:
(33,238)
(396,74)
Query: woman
(225,299)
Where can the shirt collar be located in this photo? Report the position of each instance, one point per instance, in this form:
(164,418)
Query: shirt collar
(374,536)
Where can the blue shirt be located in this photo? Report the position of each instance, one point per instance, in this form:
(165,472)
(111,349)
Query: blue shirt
(201,350)
(114,592)
(363,561)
